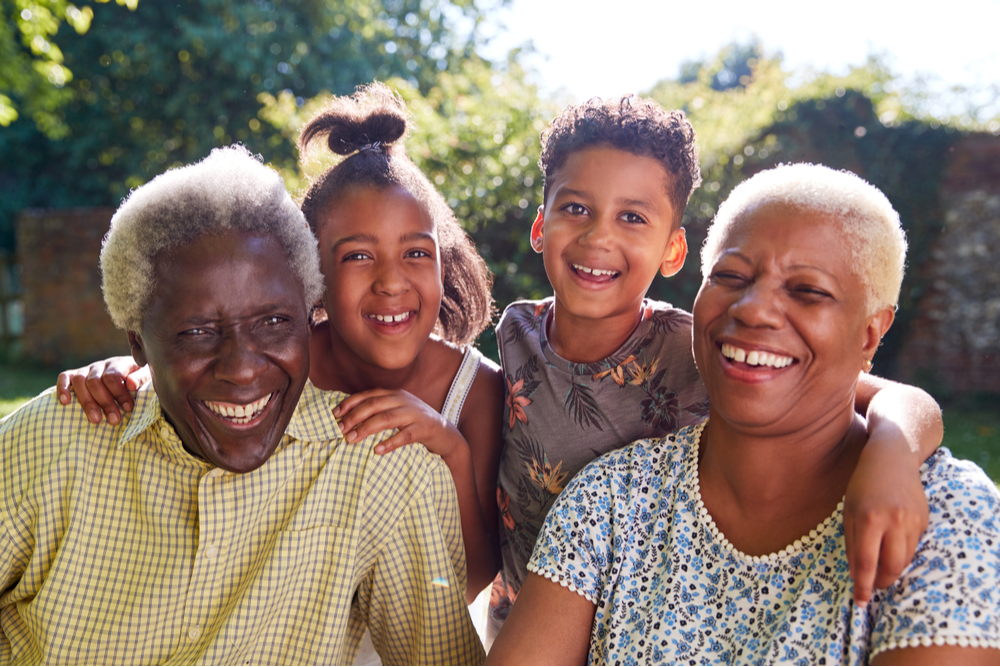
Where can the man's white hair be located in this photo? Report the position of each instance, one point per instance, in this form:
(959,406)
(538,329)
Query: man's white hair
(870,226)
(230,190)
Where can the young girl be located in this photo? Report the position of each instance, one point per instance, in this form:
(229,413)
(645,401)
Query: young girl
(406,295)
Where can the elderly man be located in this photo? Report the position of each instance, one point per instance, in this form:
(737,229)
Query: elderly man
(225,520)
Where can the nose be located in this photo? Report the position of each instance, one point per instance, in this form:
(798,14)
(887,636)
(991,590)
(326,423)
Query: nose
(240,361)
(599,233)
(390,279)
(758,306)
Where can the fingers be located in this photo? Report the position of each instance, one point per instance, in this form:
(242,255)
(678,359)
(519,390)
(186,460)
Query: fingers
(374,422)
(359,414)
(864,541)
(879,549)
(401,439)
(137,378)
(64,390)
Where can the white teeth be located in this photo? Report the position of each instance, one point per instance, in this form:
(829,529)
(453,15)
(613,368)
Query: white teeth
(755,357)
(392,319)
(240,414)
(596,272)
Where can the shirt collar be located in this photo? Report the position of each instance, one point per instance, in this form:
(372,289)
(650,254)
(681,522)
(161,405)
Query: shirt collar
(313,418)
(144,414)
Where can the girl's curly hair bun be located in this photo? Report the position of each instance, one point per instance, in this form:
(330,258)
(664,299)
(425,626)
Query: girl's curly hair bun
(372,119)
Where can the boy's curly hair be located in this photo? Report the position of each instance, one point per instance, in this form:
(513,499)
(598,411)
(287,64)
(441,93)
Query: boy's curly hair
(366,127)
(629,123)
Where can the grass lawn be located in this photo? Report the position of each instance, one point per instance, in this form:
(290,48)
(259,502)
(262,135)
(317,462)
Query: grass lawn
(19,383)
(972,425)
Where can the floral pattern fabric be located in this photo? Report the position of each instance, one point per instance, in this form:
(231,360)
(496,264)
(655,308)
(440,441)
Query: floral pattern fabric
(631,534)
(560,416)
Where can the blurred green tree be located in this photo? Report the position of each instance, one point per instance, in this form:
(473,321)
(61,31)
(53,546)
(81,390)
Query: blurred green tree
(33,71)
(161,85)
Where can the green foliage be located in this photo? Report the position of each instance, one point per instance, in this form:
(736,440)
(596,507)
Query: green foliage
(33,72)
(162,85)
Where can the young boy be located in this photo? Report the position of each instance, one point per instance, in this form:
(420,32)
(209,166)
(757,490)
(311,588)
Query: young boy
(598,365)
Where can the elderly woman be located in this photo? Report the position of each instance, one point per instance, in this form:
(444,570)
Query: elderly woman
(225,520)
(724,543)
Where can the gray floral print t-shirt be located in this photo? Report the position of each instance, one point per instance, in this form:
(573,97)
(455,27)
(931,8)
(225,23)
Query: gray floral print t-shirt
(561,415)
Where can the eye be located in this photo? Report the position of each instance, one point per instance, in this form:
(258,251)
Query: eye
(810,292)
(274,320)
(632,218)
(573,208)
(418,253)
(355,257)
(197,331)
(728,278)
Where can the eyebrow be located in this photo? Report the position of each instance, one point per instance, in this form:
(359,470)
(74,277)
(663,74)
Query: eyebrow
(621,201)
(796,267)
(355,238)
(369,238)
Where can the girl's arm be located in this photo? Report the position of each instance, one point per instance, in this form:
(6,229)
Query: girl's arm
(471,454)
(103,386)
(885,510)
(548,625)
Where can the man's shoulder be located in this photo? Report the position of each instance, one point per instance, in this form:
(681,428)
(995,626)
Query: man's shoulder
(42,423)
(404,473)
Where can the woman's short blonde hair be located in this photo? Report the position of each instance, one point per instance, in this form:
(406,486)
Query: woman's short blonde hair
(871,228)
(230,190)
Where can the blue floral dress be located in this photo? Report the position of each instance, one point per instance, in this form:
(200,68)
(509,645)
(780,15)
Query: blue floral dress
(631,534)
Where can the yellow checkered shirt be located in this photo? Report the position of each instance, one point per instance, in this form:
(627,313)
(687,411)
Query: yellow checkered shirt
(120,547)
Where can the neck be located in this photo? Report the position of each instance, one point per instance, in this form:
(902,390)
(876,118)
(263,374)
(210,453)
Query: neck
(585,340)
(334,367)
(764,491)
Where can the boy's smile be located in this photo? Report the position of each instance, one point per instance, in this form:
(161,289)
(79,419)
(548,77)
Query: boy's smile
(607,228)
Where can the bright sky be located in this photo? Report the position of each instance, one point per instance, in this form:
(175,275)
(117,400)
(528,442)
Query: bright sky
(607,48)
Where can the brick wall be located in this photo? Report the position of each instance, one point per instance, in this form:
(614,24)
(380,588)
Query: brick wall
(65,321)
(954,344)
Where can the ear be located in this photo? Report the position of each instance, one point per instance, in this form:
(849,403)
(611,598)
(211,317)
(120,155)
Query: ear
(877,325)
(135,344)
(676,253)
(536,231)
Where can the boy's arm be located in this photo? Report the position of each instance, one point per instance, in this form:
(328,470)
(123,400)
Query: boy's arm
(885,510)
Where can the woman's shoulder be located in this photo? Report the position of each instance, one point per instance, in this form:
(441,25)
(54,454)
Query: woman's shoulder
(959,491)
(663,460)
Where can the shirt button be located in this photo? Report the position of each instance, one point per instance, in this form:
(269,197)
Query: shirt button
(216,473)
(194,633)
(212,551)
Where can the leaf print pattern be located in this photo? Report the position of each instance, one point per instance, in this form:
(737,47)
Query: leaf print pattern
(631,534)
(581,405)
(520,386)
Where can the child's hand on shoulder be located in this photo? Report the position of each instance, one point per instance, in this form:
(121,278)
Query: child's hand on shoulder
(885,515)
(103,386)
(368,412)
